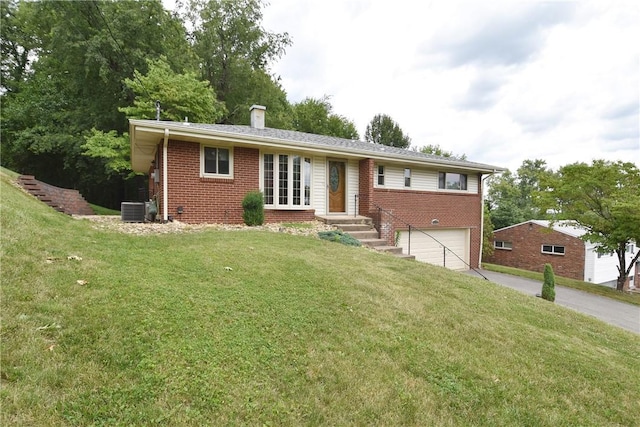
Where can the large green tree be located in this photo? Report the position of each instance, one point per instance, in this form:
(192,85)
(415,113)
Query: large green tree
(602,198)
(384,130)
(316,116)
(235,53)
(510,195)
(18,43)
(181,95)
(72,81)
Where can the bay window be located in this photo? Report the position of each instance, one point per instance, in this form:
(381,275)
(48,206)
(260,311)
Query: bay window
(286,180)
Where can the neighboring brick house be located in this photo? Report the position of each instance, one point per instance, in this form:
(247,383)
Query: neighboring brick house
(201,172)
(532,244)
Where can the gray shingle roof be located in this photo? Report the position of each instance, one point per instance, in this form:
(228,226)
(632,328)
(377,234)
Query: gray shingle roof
(340,144)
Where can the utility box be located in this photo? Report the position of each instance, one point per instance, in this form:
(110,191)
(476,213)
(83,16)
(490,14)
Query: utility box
(132,212)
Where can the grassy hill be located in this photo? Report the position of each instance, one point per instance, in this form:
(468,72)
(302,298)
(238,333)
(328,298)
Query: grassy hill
(258,328)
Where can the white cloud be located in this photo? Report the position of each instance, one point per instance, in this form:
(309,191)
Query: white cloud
(501,82)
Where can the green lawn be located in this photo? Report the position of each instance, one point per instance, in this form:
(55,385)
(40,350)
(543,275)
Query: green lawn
(100,210)
(258,328)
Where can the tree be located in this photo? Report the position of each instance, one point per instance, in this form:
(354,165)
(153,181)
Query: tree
(549,284)
(487,233)
(603,199)
(235,52)
(439,151)
(510,195)
(383,130)
(79,54)
(17,44)
(181,95)
(315,116)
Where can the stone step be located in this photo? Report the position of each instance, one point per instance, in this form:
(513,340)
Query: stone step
(406,256)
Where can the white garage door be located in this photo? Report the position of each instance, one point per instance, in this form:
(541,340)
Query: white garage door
(427,249)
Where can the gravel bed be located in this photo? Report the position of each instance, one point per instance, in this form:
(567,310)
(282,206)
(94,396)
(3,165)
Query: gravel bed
(114,223)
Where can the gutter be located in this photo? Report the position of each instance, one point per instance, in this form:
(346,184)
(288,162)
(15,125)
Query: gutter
(179,129)
(165,179)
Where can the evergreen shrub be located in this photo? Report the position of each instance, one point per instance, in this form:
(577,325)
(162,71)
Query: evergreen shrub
(549,285)
(253,205)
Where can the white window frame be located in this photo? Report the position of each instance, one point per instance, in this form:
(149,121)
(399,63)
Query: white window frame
(305,200)
(379,175)
(553,250)
(503,245)
(407,177)
(204,174)
(466,181)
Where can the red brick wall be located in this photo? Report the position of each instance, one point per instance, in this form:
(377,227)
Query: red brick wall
(365,190)
(214,200)
(527,240)
(419,208)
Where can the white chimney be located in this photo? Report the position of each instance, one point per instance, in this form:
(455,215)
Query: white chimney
(257,116)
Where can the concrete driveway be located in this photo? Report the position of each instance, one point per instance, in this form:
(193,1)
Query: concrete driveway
(621,314)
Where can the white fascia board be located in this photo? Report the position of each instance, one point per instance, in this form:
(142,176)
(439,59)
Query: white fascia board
(181,129)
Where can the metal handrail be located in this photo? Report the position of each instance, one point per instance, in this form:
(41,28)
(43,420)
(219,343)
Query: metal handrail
(445,248)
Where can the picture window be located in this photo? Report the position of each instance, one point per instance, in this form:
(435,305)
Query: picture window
(452,181)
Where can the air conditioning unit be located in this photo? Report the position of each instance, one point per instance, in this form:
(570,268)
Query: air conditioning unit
(132,212)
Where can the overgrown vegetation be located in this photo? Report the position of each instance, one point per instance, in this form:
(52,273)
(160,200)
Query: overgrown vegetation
(549,284)
(253,205)
(297,331)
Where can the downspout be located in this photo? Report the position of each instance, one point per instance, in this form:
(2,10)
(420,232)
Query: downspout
(165,180)
(482,218)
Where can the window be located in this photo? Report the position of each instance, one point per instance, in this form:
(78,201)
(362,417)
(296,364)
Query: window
(380,175)
(217,162)
(630,249)
(407,177)
(286,180)
(553,249)
(452,181)
(498,244)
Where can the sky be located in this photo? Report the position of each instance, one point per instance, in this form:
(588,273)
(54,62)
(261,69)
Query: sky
(501,82)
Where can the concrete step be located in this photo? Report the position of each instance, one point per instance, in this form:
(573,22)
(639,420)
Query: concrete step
(373,243)
(405,256)
(391,249)
(348,228)
(344,219)
(362,235)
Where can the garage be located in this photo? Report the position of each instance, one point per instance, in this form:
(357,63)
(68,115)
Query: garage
(427,246)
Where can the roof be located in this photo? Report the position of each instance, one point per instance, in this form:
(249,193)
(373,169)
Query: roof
(146,134)
(565,227)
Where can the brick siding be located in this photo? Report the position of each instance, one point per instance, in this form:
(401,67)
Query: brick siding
(214,200)
(419,208)
(527,240)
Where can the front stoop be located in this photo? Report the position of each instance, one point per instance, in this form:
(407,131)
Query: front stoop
(362,229)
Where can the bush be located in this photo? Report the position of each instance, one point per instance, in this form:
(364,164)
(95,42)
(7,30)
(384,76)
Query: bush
(549,285)
(253,205)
